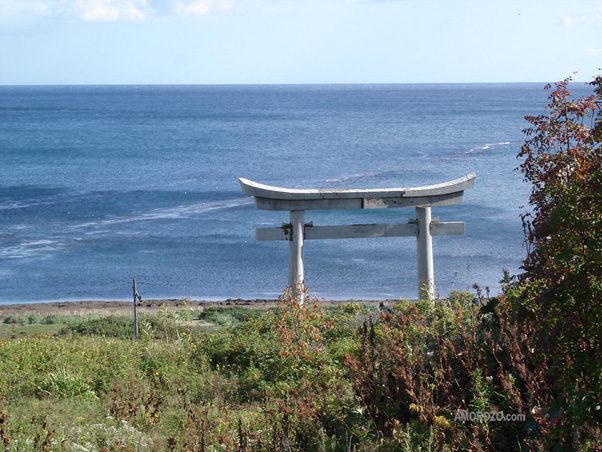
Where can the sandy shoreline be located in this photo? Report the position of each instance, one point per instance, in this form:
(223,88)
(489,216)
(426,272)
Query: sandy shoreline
(88,307)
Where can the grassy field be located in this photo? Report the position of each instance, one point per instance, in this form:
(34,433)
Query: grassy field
(20,329)
(346,378)
(211,379)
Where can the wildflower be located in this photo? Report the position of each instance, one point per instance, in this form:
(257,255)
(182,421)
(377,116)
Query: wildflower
(442,421)
(414,408)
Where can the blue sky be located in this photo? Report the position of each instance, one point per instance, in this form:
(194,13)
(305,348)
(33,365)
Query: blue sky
(297,41)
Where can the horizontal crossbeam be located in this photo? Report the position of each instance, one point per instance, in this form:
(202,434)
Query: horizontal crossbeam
(447,199)
(359,231)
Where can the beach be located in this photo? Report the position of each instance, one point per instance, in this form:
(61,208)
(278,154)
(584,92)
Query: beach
(114,307)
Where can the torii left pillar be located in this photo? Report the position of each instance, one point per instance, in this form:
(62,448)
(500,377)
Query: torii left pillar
(424,253)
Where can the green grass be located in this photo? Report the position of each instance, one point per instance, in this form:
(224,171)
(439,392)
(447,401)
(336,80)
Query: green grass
(82,382)
(345,378)
(225,316)
(10,330)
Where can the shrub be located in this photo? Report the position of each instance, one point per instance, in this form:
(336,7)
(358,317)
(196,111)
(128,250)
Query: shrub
(299,326)
(225,316)
(106,326)
(63,383)
(560,291)
(428,362)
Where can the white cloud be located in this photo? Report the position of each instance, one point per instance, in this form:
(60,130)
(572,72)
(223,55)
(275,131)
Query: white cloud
(201,7)
(110,10)
(12,7)
(568,21)
(21,14)
(573,21)
(16,15)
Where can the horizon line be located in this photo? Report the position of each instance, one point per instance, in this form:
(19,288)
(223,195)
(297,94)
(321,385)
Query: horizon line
(9,85)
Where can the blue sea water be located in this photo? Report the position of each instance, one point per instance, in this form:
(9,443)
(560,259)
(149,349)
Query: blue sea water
(102,184)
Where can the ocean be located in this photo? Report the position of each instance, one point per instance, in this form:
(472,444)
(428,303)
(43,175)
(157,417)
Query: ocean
(102,184)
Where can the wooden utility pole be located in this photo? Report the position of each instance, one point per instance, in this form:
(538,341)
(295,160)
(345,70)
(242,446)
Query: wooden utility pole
(137,297)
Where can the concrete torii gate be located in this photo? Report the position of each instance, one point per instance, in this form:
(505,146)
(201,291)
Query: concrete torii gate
(423,228)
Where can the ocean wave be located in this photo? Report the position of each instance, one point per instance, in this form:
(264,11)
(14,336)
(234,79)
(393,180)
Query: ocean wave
(64,236)
(168,213)
(364,176)
(478,150)
(30,249)
(11,206)
(361,176)
(27,205)
(486,147)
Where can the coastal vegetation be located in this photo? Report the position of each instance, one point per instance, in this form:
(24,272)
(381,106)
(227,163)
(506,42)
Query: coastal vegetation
(350,377)
(518,371)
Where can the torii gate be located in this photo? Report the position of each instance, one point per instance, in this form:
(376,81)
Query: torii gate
(423,228)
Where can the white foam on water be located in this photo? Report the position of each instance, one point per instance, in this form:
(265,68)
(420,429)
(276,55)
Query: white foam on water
(173,213)
(367,175)
(363,176)
(15,205)
(104,227)
(478,150)
(29,249)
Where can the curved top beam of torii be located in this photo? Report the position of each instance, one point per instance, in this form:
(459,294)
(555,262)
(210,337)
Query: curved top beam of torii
(276,198)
